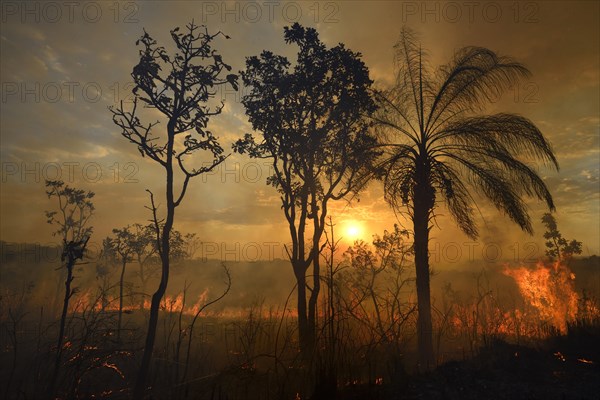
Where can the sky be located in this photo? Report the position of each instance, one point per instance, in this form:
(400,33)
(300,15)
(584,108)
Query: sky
(63,64)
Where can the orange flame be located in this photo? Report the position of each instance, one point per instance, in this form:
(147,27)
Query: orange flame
(549,291)
(86,301)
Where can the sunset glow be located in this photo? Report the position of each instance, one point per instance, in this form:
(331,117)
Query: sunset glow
(353,230)
(300,199)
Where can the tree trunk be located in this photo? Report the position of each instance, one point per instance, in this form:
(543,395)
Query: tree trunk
(312,302)
(139,389)
(140,384)
(303,327)
(143,288)
(422,208)
(121,300)
(61,332)
(143,297)
(318,226)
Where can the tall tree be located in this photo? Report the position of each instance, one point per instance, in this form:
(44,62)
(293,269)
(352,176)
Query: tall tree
(75,208)
(440,147)
(313,126)
(179,87)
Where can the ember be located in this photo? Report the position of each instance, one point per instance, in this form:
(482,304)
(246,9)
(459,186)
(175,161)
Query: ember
(583,360)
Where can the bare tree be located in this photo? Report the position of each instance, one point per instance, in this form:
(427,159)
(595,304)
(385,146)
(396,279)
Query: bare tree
(178,87)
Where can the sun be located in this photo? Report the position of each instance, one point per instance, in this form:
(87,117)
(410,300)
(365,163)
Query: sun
(353,230)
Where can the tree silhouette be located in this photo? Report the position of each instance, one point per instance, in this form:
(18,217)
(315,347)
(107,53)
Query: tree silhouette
(121,243)
(107,259)
(557,247)
(179,245)
(384,261)
(75,209)
(313,126)
(179,87)
(439,147)
(143,245)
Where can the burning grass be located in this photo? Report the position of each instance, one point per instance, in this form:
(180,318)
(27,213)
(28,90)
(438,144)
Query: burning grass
(549,293)
(538,341)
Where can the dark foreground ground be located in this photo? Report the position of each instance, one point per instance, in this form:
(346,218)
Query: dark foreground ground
(564,368)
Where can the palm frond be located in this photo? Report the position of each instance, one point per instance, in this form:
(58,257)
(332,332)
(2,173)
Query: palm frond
(502,193)
(456,196)
(412,72)
(513,132)
(475,77)
(427,124)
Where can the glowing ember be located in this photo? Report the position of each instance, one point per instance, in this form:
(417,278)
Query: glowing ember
(114,368)
(560,356)
(583,360)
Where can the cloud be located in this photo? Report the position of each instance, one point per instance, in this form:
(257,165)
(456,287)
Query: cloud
(591,175)
(561,50)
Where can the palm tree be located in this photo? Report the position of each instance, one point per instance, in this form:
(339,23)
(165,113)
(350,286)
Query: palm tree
(438,149)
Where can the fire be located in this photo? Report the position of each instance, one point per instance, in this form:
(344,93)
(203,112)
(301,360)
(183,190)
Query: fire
(176,304)
(549,290)
(86,301)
